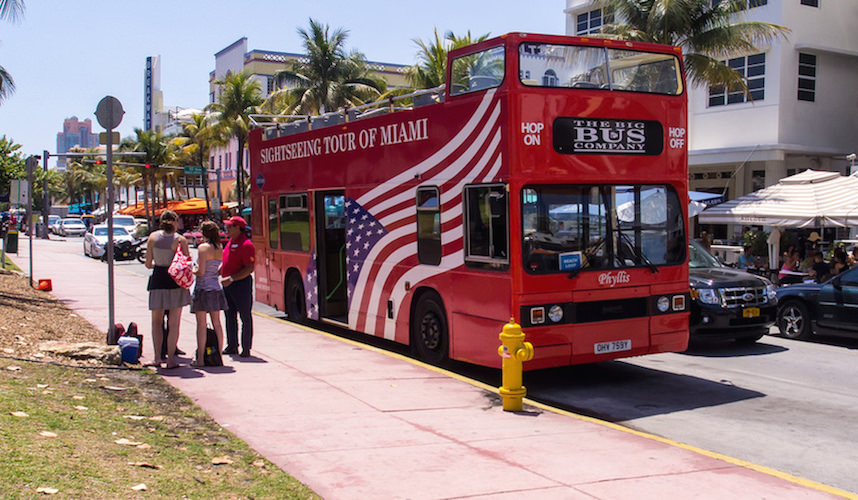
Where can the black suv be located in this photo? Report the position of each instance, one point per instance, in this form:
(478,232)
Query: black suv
(727,303)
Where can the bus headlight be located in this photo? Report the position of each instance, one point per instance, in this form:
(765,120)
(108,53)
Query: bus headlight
(663,304)
(555,314)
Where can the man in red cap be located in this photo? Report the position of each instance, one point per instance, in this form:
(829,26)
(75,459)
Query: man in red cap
(236,269)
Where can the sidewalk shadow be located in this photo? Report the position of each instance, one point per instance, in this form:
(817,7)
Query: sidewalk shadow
(238,359)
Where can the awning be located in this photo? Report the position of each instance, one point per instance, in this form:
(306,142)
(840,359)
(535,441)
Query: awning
(812,198)
(193,206)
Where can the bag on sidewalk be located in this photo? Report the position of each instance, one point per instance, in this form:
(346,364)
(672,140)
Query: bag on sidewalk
(212,353)
(119,331)
(132,332)
(181,269)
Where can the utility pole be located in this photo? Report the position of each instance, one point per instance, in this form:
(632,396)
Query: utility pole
(109,113)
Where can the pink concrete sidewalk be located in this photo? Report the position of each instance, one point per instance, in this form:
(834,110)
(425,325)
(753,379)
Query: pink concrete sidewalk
(353,422)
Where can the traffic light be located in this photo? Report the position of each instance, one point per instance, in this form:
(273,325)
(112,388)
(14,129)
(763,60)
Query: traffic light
(147,166)
(99,162)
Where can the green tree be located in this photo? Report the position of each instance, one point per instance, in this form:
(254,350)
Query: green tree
(10,10)
(329,79)
(11,163)
(240,96)
(706,33)
(431,68)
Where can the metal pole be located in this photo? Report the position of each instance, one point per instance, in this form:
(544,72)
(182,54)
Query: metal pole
(31,165)
(46,206)
(219,196)
(110,303)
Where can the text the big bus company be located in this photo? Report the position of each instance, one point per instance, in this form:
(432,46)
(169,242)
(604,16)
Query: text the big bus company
(388,135)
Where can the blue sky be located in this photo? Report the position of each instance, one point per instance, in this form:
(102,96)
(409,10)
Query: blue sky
(66,56)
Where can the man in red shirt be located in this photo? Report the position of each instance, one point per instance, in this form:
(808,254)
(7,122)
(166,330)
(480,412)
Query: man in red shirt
(236,270)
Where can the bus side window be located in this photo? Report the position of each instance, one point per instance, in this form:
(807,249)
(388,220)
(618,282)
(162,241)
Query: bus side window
(428,226)
(294,222)
(273,226)
(487,224)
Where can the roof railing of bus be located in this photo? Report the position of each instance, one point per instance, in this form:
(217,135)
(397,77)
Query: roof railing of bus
(280,125)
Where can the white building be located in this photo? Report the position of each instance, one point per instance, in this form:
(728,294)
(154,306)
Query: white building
(804,112)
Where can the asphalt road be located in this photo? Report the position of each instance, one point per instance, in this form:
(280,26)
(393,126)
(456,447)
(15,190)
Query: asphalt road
(784,404)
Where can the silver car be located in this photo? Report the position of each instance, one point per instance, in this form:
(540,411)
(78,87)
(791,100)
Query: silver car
(95,240)
(72,227)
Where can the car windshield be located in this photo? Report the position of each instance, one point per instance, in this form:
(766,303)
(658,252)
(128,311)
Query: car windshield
(117,231)
(72,223)
(123,221)
(699,257)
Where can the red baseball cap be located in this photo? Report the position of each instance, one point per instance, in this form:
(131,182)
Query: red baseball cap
(236,221)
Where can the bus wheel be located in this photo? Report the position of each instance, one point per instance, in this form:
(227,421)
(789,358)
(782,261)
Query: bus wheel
(296,306)
(429,334)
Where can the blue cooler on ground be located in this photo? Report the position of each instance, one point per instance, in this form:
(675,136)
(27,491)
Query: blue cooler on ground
(129,346)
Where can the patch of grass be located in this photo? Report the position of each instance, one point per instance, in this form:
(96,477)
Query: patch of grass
(74,418)
(11,265)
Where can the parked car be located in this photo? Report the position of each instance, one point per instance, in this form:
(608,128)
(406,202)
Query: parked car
(126,221)
(55,225)
(95,240)
(71,227)
(195,237)
(829,308)
(727,303)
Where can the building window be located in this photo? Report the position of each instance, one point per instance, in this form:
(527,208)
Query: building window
(592,21)
(270,87)
(429,226)
(549,79)
(810,3)
(751,3)
(806,77)
(753,70)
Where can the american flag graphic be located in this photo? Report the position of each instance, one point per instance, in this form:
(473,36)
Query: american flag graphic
(311,282)
(363,232)
(381,223)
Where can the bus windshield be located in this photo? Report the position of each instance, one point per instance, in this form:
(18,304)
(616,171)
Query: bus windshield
(571,66)
(569,228)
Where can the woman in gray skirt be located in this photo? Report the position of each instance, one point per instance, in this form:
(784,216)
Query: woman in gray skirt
(208,294)
(164,293)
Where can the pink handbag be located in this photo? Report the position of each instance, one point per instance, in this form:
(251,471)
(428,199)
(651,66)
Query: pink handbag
(181,269)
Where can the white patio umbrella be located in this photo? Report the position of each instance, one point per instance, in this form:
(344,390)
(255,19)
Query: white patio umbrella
(812,198)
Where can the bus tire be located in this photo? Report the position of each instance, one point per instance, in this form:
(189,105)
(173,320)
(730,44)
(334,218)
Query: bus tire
(296,305)
(429,332)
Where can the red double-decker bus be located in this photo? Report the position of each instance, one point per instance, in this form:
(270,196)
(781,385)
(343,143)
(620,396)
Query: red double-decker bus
(546,182)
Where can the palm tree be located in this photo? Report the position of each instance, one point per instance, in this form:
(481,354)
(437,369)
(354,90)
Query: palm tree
(431,70)
(328,79)
(240,97)
(706,32)
(10,10)
(153,144)
(196,141)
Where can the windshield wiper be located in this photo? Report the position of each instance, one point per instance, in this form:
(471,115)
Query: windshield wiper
(638,253)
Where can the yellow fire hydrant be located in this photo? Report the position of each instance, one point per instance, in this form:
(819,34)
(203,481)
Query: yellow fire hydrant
(514,351)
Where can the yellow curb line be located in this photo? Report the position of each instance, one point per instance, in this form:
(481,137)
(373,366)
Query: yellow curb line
(725,458)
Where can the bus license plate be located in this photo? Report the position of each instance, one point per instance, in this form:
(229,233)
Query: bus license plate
(751,312)
(614,346)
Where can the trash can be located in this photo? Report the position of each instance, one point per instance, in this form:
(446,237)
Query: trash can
(11,243)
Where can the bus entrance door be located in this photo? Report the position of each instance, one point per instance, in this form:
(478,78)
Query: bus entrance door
(331,256)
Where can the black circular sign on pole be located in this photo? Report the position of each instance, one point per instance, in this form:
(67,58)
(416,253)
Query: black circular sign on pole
(109,112)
